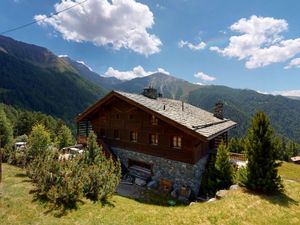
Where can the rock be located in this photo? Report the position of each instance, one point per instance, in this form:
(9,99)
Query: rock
(221,194)
(152,184)
(185,192)
(234,187)
(212,200)
(140,182)
(183,199)
(192,203)
(174,193)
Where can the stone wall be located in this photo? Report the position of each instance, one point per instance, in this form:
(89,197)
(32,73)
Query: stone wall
(178,172)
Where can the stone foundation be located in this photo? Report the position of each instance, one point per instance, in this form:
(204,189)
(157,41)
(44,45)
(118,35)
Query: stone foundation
(178,172)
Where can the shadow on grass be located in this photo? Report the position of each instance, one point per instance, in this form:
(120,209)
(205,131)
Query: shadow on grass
(151,197)
(22,175)
(57,211)
(278,198)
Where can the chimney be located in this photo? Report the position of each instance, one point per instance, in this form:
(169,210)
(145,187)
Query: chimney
(218,112)
(150,92)
(182,105)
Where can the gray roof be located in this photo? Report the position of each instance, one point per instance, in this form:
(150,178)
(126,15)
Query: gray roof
(194,118)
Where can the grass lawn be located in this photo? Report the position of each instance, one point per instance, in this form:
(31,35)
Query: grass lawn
(238,207)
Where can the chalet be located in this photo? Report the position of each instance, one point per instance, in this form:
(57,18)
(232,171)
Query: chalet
(167,137)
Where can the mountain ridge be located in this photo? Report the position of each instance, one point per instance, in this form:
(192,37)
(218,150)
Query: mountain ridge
(63,88)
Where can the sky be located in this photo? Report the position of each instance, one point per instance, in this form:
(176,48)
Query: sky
(237,43)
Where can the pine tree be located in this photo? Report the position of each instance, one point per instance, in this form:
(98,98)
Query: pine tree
(6,130)
(65,137)
(39,140)
(94,153)
(223,167)
(261,149)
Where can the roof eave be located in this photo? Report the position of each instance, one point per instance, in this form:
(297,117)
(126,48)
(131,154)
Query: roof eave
(220,132)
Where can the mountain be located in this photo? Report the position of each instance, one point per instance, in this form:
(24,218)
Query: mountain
(87,73)
(239,105)
(169,86)
(34,78)
(293,97)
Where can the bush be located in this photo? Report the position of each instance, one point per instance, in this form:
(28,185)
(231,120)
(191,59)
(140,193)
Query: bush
(63,182)
(101,174)
(57,181)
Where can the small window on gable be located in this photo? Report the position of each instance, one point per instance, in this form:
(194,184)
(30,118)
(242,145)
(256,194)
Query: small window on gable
(153,120)
(116,134)
(153,139)
(102,132)
(133,136)
(176,142)
(130,116)
(117,116)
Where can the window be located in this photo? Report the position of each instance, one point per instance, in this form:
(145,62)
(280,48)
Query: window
(154,120)
(153,139)
(131,117)
(116,134)
(133,136)
(117,116)
(102,132)
(176,142)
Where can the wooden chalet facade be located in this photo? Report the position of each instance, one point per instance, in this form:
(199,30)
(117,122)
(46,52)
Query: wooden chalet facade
(166,136)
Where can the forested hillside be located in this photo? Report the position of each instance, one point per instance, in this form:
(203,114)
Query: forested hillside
(43,82)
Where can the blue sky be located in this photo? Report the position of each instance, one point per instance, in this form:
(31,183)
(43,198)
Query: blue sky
(242,44)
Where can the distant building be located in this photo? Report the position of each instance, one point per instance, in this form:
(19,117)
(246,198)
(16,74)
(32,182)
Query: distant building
(20,146)
(295,159)
(168,138)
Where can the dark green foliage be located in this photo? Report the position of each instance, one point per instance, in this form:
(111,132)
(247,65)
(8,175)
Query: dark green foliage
(286,149)
(223,167)
(6,131)
(45,82)
(240,105)
(23,120)
(209,181)
(64,137)
(101,174)
(237,145)
(262,153)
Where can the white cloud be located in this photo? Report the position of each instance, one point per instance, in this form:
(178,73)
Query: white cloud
(115,23)
(201,45)
(260,42)
(294,93)
(293,63)
(137,71)
(289,93)
(204,76)
(199,83)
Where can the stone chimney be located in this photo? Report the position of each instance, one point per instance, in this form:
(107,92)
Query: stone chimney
(150,92)
(218,112)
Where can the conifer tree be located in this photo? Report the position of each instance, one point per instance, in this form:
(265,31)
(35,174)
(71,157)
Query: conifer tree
(6,130)
(261,149)
(223,167)
(39,140)
(65,137)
